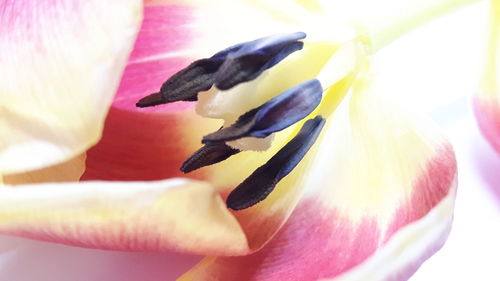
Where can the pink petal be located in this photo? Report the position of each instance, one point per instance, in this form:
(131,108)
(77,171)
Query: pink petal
(487,100)
(145,146)
(61,62)
(149,144)
(487,113)
(176,214)
(158,52)
(383,186)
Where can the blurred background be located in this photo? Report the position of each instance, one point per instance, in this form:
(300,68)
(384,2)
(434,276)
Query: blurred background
(436,69)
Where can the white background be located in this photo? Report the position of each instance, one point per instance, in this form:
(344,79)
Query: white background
(436,69)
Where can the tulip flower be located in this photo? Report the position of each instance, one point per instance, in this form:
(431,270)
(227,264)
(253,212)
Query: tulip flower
(342,184)
(486,101)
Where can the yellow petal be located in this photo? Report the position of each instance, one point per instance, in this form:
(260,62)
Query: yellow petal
(61,65)
(176,214)
(70,170)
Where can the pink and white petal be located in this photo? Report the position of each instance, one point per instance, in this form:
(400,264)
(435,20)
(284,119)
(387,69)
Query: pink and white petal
(382,179)
(61,62)
(396,261)
(487,100)
(488,119)
(176,214)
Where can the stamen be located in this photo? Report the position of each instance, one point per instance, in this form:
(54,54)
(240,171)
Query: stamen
(151,100)
(253,58)
(262,181)
(208,155)
(227,68)
(275,115)
(187,83)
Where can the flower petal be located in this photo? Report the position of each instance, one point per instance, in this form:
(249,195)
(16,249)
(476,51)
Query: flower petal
(61,64)
(177,214)
(383,179)
(487,100)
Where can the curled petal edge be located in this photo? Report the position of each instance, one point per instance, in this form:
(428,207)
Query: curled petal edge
(176,214)
(394,261)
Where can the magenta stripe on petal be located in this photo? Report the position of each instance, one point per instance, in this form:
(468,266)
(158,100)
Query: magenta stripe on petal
(141,79)
(431,187)
(165,29)
(319,242)
(314,243)
(148,143)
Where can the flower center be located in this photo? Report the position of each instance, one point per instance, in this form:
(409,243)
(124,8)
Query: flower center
(254,129)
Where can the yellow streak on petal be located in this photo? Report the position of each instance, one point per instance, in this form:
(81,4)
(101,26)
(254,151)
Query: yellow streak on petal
(371,156)
(176,214)
(286,11)
(312,5)
(491,78)
(60,80)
